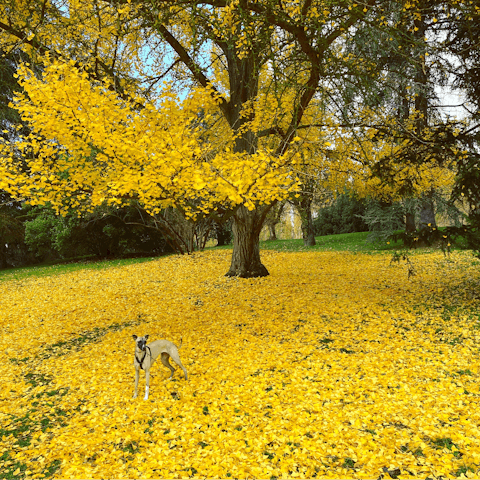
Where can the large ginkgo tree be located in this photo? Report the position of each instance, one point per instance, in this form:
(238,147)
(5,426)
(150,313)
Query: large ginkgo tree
(195,104)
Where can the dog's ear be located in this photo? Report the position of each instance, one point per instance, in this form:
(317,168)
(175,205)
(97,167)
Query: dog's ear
(146,337)
(134,337)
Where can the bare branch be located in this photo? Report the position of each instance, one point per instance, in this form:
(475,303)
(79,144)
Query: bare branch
(92,74)
(194,68)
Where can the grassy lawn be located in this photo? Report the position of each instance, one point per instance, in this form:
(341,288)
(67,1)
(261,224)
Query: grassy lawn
(351,242)
(67,267)
(336,365)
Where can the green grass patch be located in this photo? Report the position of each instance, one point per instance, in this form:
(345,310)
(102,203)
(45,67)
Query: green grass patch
(90,336)
(11,470)
(463,471)
(46,270)
(351,242)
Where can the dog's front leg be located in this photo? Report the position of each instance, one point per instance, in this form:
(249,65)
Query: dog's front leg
(147,380)
(137,376)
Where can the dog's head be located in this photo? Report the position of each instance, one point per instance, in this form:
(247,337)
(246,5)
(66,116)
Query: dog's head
(141,342)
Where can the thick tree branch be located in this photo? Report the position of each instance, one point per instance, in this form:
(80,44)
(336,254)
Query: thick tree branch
(315,56)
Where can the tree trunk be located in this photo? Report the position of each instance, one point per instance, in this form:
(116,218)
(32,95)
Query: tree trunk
(246,226)
(421,75)
(307,231)
(427,212)
(3,255)
(409,222)
(304,207)
(273,217)
(246,243)
(273,233)
(309,236)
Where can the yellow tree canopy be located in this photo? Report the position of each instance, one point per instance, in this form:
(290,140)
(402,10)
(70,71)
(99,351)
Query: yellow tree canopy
(89,146)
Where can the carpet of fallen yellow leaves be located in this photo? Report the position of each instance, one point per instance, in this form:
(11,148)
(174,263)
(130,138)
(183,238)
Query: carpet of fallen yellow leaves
(334,366)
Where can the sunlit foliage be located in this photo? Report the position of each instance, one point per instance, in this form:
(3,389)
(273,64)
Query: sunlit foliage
(102,149)
(334,366)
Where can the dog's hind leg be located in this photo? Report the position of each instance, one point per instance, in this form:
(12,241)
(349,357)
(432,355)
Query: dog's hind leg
(176,359)
(164,359)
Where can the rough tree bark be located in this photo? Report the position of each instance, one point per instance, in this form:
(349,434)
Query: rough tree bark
(246,228)
(308,232)
(272,234)
(409,222)
(427,208)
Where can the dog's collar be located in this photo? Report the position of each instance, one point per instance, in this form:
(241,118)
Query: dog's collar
(140,362)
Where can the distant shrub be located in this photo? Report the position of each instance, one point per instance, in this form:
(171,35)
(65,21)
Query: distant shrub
(343,216)
(106,232)
(40,236)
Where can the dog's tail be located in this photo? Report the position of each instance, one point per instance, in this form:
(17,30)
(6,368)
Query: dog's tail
(181,339)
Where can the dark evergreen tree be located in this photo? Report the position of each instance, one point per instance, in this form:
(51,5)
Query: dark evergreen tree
(343,216)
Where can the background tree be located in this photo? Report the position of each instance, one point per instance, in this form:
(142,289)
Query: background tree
(344,215)
(395,139)
(273,218)
(13,250)
(462,42)
(446,142)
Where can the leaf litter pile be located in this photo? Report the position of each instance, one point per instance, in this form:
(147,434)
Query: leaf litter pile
(335,365)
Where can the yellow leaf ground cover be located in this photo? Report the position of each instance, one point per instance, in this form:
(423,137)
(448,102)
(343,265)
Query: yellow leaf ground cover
(334,366)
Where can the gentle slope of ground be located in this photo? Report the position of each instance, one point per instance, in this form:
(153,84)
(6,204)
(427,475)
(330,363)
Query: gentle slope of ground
(336,365)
